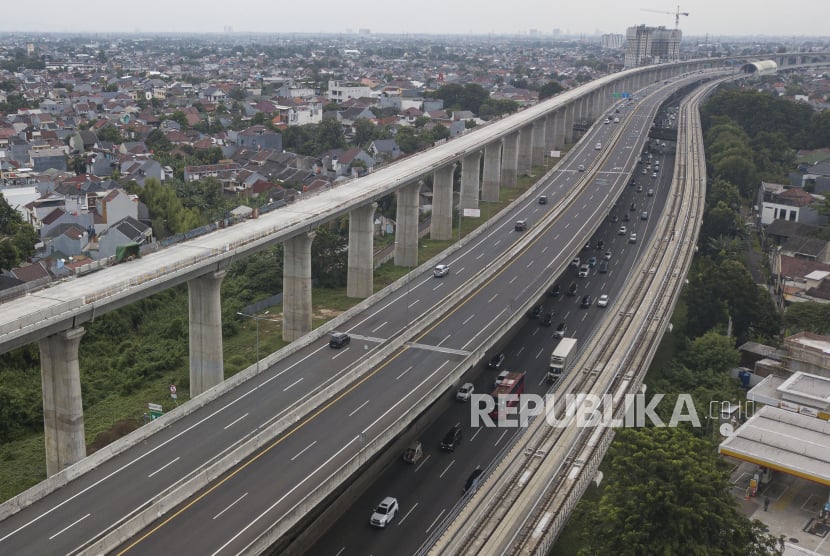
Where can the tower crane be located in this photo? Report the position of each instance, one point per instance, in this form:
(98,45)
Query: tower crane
(676,14)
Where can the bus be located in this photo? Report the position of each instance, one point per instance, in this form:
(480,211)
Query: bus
(513,383)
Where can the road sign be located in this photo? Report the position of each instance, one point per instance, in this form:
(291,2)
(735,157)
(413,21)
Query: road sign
(155,410)
(173,391)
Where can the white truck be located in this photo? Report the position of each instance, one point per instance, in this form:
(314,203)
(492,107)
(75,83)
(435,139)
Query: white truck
(561,358)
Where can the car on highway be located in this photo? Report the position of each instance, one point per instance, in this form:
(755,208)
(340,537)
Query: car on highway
(583,271)
(385,512)
(587,301)
(650,192)
(633,206)
(520,225)
(644,215)
(598,146)
(607,121)
(581,168)
(452,439)
(600,244)
(639,189)
(603,300)
(536,311)
(622,231)
(543,199)
(338,340)
(440,270)
(616,120)
(632,238)
(592,262)
(603,267)
(654,175)
(474,479)
(625,217)
(555,291)
(413,452)
(464,392)
(575,262)
(645,171)
(607,255)
(546,320)
(572,288)
(615,218)
(496,362)
(502,376)
(560,330)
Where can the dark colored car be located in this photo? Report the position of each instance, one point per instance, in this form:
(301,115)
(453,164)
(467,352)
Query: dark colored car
(474,479)
(537,311)
(452,438)
(603,267)
(573,289)
(587,301)
(338,340)
(496,362)
(555,291)
(546,320)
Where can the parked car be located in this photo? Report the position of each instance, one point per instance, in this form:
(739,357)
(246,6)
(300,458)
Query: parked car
(464,392)
(338,339)
(385,512)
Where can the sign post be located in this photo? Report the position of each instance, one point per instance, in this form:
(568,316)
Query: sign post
(155,411)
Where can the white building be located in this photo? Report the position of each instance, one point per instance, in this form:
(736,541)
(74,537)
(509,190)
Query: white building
(344,90)
(651,45)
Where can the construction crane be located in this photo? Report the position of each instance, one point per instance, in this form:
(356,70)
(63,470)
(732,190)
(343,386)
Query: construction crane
(676,14)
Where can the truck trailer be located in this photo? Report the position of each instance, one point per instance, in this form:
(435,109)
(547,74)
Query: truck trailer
(561,358)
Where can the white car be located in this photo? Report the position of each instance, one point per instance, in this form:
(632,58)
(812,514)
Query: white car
(632,238)
(464,392)
(385,512)
(440,270)
(622,231)
(598,146)
(603,300)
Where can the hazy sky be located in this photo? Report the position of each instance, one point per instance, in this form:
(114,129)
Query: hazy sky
(713,17)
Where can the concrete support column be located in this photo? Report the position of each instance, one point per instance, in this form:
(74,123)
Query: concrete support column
(406,232)
(537,151)
(440,225)
(525,147)
(205,313)
(470,179)
(550,132)
(63,410)
(510,160)
(492,172)
(296,286)
(361,266)
(570,118)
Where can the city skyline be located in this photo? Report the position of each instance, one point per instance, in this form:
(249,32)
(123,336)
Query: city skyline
(798,18)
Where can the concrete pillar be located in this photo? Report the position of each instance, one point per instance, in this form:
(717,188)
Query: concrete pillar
(63,410)
(492,172)
(568,125)
(510,160)
(359,275)
(537,150)
(205,313)
(406,232)
(550,132)
(470,178)
(440,224)
(296,286)
(525,147)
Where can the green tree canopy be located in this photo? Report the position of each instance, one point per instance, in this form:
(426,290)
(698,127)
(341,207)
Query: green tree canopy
(667,495)
(549,89)
(469,96)
(17,238)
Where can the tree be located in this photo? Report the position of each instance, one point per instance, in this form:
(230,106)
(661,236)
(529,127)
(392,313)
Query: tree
(17,238)
(808,317)
(493,108)
(667,493)
(365,132)
(329,254)
(110,133)
(550,89)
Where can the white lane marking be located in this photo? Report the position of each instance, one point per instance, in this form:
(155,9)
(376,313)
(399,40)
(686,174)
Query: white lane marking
(447,468)
(295,383)
(541,351)
(235,421)
(468,319)
(301,452)
(231,505)
(584,317)
(407,514)
(513,279)
(69,526)
(521,349)
(567,224)
(411,305)
(380,326)
(403,373)
(530,264)
(535,330)
(422,463)
(339,353)
(447,337)
(286,495)
(478,430)
(164,467)
(495,295)
(441,283)
(436,520)
(566,315)
(361,406)
(339,552)
(500,437)
(460,270)
(544,249)
(480,255)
